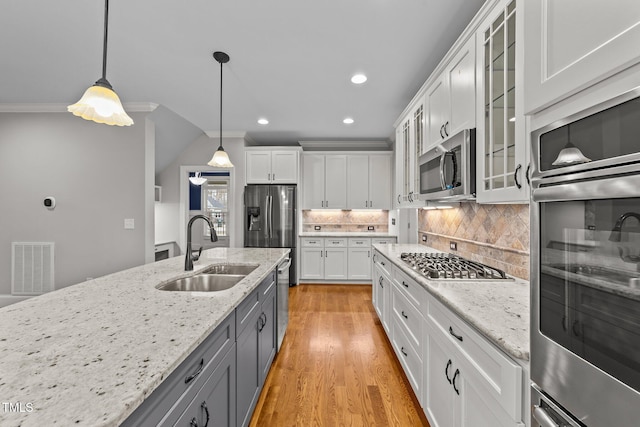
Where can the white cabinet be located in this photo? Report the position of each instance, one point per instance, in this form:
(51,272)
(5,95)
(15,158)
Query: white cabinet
(467,381)
(573,44)
(409,146)
(501,135)
(381,289)
(312,259)
(325,181)
(451,97)
(271,166)
(359,257)
(335,259)
(369,181)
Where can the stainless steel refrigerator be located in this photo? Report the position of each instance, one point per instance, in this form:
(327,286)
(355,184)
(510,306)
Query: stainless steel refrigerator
(270,222)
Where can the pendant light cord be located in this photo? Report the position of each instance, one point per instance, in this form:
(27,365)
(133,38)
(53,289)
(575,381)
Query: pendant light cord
(104,44)
(221,105)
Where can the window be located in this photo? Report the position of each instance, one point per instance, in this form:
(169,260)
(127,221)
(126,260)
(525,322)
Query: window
(215,205)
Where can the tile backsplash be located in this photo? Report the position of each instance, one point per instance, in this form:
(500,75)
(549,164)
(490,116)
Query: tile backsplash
(351,221)
(496,235)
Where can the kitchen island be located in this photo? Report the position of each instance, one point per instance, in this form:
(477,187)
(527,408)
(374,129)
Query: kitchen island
(90,354)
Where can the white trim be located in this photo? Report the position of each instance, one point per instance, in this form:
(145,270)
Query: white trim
(131,107)
(225,134)
(383,145)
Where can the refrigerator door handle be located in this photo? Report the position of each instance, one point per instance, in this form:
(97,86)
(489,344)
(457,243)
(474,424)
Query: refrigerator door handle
(270,217)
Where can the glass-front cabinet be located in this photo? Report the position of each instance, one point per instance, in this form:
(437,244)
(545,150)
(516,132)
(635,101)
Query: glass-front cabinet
(502,167)
(409,146)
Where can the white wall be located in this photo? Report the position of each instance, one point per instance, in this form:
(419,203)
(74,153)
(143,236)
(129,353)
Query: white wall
(168,225)
(98,176)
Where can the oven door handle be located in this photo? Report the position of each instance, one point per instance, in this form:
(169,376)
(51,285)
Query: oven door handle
(586,187)
(543,418)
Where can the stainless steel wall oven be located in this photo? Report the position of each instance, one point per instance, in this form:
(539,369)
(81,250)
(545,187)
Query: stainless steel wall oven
(585,267)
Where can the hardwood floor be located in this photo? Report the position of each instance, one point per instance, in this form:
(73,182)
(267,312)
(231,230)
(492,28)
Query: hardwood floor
(336,366)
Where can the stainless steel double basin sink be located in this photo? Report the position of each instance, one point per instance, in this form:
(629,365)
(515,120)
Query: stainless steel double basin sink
(217,277)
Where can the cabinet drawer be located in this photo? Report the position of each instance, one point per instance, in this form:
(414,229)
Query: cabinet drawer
(407,315)
(316,242)
(335,243)
(246,311)
(498,375)
(171,398)
(410,359)
(355,242)
(382,240)
(412,290)
(383,263)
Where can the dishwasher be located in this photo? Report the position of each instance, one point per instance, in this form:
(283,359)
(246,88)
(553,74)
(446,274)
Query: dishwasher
(282,299)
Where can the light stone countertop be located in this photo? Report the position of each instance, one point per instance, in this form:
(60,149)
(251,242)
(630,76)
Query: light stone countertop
(499,310)
(89,354)
(344,234)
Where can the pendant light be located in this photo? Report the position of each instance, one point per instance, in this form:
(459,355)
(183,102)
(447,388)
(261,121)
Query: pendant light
(100,103)
(198,179)
(570,154)
(220,158)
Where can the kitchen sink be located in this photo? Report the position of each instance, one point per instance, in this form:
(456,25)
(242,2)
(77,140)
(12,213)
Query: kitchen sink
(203,283)
(242,269)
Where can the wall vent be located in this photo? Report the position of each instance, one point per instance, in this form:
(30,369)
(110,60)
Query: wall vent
(31,268)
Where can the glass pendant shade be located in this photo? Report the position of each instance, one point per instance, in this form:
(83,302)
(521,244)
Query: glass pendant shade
(220,159)
(198,179)
(101,105)
(570,155)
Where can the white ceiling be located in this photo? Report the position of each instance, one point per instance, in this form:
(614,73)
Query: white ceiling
(291,60)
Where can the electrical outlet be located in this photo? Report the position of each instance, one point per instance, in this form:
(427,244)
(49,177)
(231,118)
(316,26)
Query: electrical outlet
(316,227)
(371,228)
(453,246)
(393,221)
(424,237)
(129,224)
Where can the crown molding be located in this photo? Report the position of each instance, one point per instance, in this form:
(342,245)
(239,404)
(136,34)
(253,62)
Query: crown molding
(130,107)
(359,145)
(225,134)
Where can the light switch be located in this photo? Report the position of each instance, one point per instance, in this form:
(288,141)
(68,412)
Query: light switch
(129,224)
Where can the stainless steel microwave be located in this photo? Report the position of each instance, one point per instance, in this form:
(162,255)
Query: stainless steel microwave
(448,170)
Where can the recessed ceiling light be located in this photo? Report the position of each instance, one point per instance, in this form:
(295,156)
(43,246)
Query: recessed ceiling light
(348,121)
(358,79)
(263,121)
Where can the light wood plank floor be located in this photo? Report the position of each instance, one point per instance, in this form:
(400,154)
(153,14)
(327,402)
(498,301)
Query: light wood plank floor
(336,366)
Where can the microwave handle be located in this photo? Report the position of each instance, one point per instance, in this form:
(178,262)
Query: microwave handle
(442,157)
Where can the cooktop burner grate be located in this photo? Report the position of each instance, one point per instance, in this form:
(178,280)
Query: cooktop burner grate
(448,266)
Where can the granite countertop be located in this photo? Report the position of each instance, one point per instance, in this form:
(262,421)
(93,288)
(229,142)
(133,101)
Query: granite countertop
(499,310)
(344,234)
(89,354)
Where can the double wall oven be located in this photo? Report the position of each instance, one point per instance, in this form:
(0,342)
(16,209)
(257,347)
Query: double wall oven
(585,273)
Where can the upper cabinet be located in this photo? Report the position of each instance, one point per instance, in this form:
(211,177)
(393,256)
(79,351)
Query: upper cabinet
(451,97)
(324,181)
(369,181)
(410,142)
(268,166)
(573,44)
(501,145)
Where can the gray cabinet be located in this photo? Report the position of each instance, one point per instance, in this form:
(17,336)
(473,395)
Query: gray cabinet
(192,378)
(256,345)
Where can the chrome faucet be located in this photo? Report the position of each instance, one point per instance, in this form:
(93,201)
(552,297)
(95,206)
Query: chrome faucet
(190,255)
(617,228)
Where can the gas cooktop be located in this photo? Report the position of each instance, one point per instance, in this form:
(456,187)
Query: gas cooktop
(436,266)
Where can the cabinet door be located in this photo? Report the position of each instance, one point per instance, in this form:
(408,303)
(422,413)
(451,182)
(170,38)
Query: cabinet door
(335,180)
(313,185)
(385,302)
(380,182)
(358,182)
(575,44)
(440,398)
(312,263)
(462,83)
(399,169)
(438,106)
(501,134)
(267,334)
(248,369)
(407,162)
(284,167)
(258,167)
(359,264)
(335,263)
(215,403)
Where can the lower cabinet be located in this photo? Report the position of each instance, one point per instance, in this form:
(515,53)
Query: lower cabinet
(459,377)
(256,346)
(219,383)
